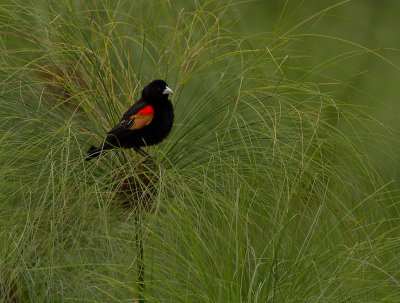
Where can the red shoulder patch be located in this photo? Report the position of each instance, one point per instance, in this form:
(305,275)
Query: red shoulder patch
(148,110)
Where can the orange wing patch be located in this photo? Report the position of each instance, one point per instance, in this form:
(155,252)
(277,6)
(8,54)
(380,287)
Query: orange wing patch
(140,120)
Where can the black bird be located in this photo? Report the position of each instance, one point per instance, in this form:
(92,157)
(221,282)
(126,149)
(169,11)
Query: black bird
(146,123)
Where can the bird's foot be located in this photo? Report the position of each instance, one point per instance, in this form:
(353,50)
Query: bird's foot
(144,154)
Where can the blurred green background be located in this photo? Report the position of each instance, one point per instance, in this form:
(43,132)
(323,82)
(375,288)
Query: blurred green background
(279,182)
(368,23)
(329,44)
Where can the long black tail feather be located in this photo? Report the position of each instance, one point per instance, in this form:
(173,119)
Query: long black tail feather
(94,152)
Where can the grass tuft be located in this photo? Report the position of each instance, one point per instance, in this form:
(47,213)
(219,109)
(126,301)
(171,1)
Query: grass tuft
(265,191)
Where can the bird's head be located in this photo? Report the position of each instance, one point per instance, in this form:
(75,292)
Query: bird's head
(155,91)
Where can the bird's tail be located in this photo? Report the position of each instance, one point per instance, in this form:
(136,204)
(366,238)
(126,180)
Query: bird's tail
(94,152)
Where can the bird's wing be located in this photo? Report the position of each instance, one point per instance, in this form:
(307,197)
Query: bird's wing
(134,119)
(135,108)
(139,120)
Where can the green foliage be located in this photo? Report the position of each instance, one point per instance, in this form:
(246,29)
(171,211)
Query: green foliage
(265,191)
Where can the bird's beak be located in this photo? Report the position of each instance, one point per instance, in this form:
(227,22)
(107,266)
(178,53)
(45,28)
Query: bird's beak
(167,91)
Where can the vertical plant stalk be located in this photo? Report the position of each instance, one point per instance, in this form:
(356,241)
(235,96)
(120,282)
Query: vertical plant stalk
(140,254)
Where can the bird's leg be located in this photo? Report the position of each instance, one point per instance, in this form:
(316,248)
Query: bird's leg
(144,154)
(141,152)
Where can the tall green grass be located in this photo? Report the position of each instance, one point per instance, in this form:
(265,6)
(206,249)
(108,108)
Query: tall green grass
(263,192)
